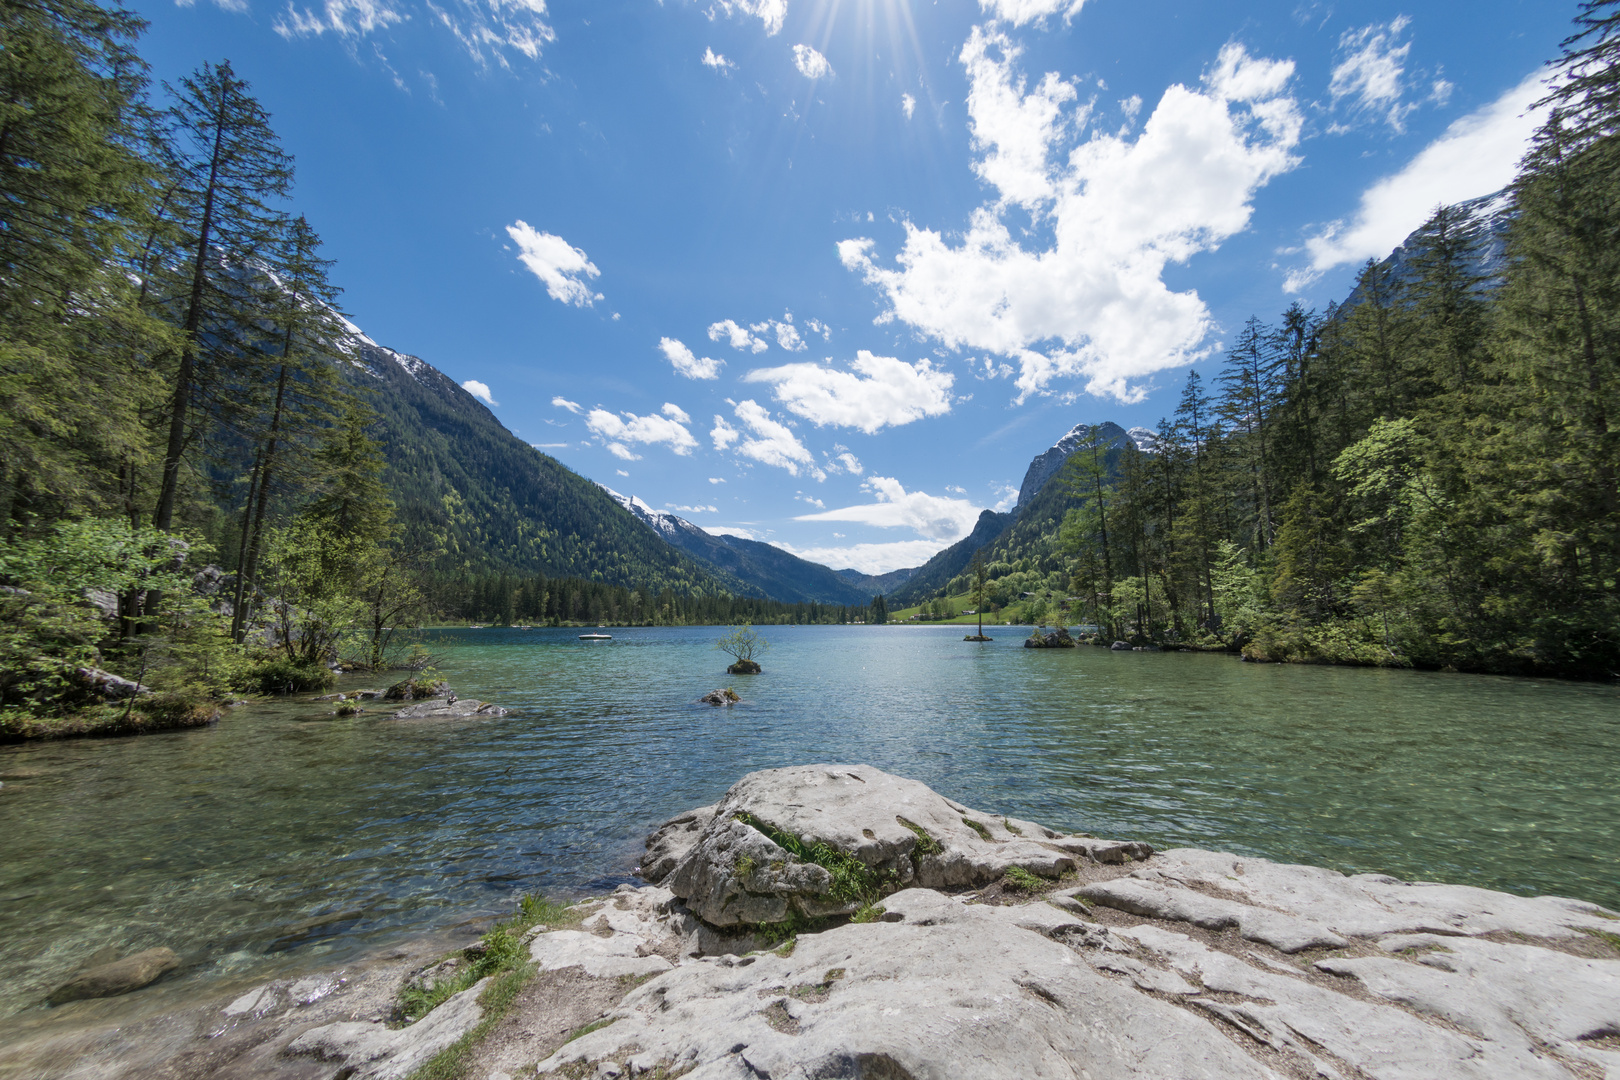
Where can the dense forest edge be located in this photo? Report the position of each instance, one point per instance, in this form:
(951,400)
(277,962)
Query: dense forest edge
(196,501)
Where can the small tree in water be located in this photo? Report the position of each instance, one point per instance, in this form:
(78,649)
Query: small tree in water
(743,644)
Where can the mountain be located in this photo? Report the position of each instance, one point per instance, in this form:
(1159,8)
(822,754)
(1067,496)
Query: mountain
(1488,218)
(878,583)
(934,574)
(495,503)
(759,569)
(1046,464)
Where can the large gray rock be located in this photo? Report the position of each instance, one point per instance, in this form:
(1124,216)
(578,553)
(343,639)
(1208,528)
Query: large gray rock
(671,843)
(118,977)
(899,830)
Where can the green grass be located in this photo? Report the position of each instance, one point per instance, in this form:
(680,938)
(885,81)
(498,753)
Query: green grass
(926,845)
(1611,940)
(498,952)
(852,880)
(1019,878)
(497,1000)
(595,1025)
(984,833)
(1010,827)
(869,913)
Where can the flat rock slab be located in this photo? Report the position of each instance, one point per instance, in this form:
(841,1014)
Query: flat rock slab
(444,709)
(118,977)
(947,990)
(373,1051)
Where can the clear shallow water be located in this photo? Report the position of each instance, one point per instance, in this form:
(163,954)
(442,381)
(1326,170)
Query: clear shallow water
(220,842)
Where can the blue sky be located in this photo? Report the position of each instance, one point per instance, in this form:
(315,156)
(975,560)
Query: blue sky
(829,273)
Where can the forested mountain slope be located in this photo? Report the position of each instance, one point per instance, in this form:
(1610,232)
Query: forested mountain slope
(492,502)
(760,569)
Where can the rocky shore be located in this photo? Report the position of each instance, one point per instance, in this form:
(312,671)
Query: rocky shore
(836,921)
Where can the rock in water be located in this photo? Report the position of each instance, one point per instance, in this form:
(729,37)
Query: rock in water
(118,977)
(727,696)
(879,833)
(744,667)
(446,709)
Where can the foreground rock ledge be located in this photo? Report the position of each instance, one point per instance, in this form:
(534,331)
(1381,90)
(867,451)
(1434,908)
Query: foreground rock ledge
(1181,964)
(1134,963)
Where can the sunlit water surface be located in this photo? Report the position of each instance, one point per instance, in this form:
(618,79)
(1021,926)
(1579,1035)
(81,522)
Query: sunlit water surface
(219,842)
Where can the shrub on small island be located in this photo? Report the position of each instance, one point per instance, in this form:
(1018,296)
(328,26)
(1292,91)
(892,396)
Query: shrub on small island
(742,645)
(284,676)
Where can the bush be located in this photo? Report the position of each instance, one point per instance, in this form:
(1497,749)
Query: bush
(416,689)
(280,675)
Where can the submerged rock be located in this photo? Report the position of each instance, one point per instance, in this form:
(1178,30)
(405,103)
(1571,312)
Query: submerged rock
(117,977)
(450,709)
(1056,639)
(726,696)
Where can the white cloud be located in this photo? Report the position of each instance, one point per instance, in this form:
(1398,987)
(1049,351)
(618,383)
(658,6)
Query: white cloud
(564,403)
(816,326)
(549,445)
(1019,12)
(908,105)
(738,336)
(1478,154)
(811,64)
(716,479)
(731,530)
(1093,303)
(687,363)
(1008,499)
(869,558)
(716,61)
(1371,68)
(556,262)
(487,32)
(723,435)
(345,18)
(933,516)
(769,12)
(881,391)
(769,442)
(850,463)
(621,472)
(787,336)
(810,500)
(479,390)
(698,509)
(648,430)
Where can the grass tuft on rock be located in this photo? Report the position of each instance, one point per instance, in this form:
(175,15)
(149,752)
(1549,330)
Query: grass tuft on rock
(497,1000)
(984,833)
(1611,940)
(926,845)
(498,952)
(852,880)
(1019,878)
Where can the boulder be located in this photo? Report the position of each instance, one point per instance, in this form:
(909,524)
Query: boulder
(372,1051)
(726,696)
(671,843)
(416,690)
(118,977)
(760,856)
(744,667)
(448,709)
(107,685)
(1121,646)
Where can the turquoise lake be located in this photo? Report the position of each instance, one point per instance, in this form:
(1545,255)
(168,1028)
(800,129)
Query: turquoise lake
(224,843)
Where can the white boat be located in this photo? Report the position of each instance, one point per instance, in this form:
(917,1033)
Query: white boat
(596,637)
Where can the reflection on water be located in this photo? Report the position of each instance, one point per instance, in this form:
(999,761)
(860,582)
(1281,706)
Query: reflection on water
(284,836)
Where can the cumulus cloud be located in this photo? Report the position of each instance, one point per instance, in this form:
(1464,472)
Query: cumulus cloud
(617,430)
(844,461)
(869,558)
(811,64)
(880,391)
(561,266)
(1092,301)
(769,12)
(479,390)
(564,403)
(1019,12)
(768,440)
(345,18)
(933,516)
(1477,154)
(688,363)
(908,105)
(1370,69)
(716,61)
(738,336)
(698,509)
(716,479)
(787,336)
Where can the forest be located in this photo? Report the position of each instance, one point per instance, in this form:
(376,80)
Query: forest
(1423,476)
